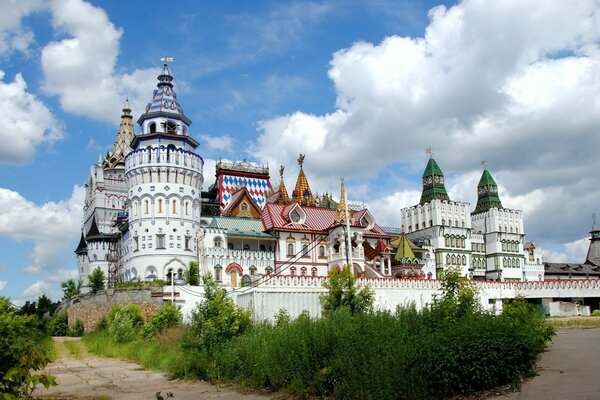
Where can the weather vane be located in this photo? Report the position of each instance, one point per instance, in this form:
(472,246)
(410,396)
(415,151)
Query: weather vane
(429,150)
(484,163)
(167,60)
(301,160)
(281,168)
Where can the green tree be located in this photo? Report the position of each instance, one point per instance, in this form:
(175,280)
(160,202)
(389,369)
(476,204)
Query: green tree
(45,306)
(192,275)
(459,296)
(70,288)
(96,280)
(217,320)
(344,293)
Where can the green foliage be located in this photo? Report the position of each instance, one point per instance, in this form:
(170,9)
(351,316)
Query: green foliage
(77,329)
(132,310)
(96,280)
(70,288)
(58,325)
(168,316)
(101,325)
(192,275)
(343,293)
(459,296)
(141,284)
(121,328)
(22,351)
(217,320)
(596,313)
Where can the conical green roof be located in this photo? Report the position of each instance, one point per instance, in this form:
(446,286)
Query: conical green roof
(487,193)
(433,183)
(432,168)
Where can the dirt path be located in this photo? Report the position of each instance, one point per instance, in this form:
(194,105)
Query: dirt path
(84,376)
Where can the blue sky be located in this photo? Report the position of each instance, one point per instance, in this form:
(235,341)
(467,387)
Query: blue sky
(360,87)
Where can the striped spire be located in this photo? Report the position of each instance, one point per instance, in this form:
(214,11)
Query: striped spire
(283,194)
(302,193)
(341,209)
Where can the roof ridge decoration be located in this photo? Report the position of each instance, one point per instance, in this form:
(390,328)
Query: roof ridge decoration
(283,197)
(125,136)
(487,192)
(433,181)
(302,193)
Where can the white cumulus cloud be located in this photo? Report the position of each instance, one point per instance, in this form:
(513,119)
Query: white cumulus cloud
(51,226)
(27,122)
(13,35)
(513,82)
(3,285)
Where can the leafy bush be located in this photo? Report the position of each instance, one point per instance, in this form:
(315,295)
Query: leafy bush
(217,320)
(70,288)
(132,310)
(101,325)
(96,280)
(58,325)
(344,293)
(192,275)
(121,328)
(77,329)
(168,316)
(141,284)
(596,313)
(21,352)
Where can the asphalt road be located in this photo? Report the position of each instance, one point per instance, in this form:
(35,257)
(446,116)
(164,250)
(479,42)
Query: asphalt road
(569,370)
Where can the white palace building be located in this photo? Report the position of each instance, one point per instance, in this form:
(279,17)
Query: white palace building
(147,215)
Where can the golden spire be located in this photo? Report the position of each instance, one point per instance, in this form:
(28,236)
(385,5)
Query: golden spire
(341,209)
(283,194)
(302,193)
(124,136)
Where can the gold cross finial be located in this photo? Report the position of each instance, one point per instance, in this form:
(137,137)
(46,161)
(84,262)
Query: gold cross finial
(429,150)
(301,160)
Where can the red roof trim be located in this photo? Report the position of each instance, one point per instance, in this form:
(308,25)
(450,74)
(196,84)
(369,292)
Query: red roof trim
(235,266)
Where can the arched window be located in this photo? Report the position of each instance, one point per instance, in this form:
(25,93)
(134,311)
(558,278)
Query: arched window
(448,259)
(230,246)
(456,223)
(187,208)
(443,221)
(453,259)
(430,222)
(244,206)
(170,150)
(218,242)
(464,260)
(174,209)
(269,270)
(417,226)
(152,127)
(293,271)
(290,249)
(261,247)
(252,270)
(313,271)
(303,271)
(305,250)
(146,206)
(246,247)
(160,205)
(321,251)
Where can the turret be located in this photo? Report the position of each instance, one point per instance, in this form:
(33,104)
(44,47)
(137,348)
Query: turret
(433,183)
(487,193)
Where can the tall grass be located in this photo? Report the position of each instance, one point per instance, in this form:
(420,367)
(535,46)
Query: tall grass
(161,353)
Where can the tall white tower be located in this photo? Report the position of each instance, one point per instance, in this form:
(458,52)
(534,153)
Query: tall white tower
(164,180)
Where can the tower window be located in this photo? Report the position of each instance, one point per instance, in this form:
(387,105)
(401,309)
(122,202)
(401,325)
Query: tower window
(146,207)
(160,205)
(174,206)
(152,127)
(290,249)
(160,241)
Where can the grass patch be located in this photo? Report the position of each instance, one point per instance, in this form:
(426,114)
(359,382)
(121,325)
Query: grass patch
(575,322)
(74,348)
(162,353)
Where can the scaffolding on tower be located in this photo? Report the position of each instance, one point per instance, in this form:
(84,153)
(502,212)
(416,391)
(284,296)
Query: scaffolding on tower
(115,256)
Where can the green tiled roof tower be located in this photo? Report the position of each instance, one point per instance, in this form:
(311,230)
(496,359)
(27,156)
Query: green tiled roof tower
(487,193)
(433,183)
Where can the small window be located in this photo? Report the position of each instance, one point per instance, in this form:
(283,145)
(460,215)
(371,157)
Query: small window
(246,247)
(244,206)
(230,246)
(174,210)
(252,270)
(290,249)
(269,270)
(313,271)
(293,271)
(188,239)
(187,208)
(152,127)
(218,242)
(321,251)
(160,241)
(261,247)
(305,250)
(303,271)
(136,245)
(146,206)
(295,216)
(160,205)
(218,273)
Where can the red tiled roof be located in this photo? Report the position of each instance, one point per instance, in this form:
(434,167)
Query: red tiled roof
(274,216)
